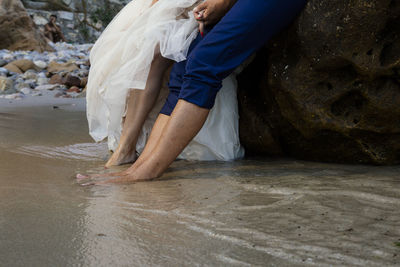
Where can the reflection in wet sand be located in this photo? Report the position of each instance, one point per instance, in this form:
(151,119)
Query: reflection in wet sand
(250,212)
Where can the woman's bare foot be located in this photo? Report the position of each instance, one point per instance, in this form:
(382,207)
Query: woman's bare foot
(120,157)
(81,177)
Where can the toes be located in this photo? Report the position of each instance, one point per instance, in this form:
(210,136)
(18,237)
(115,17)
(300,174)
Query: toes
(88,184)
(81,176)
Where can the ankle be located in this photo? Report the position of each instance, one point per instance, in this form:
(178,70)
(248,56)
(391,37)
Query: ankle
(125,150)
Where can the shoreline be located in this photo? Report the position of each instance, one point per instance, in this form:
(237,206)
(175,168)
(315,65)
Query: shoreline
(46,99)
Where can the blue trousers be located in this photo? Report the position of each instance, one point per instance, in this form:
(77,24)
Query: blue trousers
(244,29)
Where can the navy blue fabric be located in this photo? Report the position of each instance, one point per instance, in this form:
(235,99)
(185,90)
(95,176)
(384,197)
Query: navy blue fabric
(176,80)
(244,29)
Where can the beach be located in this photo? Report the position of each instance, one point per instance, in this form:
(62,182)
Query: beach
(257,211)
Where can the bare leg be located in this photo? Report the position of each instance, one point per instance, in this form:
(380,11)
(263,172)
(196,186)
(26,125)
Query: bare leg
(139,104)
(183,125)
(154,137)
(156,132)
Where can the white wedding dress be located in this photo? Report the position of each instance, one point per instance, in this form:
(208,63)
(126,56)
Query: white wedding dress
(120,60)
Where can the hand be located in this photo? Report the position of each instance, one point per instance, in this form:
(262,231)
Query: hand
(211,11)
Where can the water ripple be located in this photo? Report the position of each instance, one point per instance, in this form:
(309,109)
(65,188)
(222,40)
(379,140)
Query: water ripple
(83,151)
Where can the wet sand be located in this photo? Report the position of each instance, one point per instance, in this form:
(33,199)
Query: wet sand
(269,212)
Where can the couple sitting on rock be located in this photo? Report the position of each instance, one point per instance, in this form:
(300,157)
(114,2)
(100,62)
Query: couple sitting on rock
(204,42)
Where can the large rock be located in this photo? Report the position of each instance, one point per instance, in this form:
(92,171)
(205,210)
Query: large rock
(17,30)
(328,87)
(6,86)
(20,66)
(55,67)
(47,5)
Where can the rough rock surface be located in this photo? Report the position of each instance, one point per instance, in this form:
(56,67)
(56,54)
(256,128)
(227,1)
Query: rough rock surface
(328,87)
(55,67)
(17,30)
(20,66)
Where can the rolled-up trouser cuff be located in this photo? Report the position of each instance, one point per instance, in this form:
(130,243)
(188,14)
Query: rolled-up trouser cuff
(199,93)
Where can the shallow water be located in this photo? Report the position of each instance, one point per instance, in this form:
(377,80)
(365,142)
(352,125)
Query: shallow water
(249,212)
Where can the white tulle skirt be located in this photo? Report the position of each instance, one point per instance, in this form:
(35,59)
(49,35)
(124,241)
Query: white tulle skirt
(120,61)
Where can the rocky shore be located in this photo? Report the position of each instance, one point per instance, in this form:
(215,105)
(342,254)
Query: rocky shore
(63,72)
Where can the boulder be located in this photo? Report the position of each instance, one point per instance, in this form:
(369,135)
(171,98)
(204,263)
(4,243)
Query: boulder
(6,85)
(55,67)
(71,80)
(17,30)
(20,66)
(50,5)
(328,87)
(55,79)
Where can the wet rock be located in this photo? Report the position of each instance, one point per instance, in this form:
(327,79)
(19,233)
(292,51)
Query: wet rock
(2,62)
(84,82)
(71,80)
(15,96)
(56,79)
(37,94)
(327,88)
(59,94)
(46,87)
(74,89)
(17,30)
(55,67)
(20,66)
(6,86)
(82,94)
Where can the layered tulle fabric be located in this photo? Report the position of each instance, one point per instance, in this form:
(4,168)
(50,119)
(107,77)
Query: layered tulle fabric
(120,61)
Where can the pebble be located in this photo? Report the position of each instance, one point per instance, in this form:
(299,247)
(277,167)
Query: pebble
(14,96)
(19,86)
(30,74)
(26,90)
(46,87)
(42,75)
(4,70)
(42,81)
(15,85)
(40,64)
(8,57)
(6,85)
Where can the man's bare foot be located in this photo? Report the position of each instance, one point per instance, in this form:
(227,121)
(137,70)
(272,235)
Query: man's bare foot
(130,175)
(120,157)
